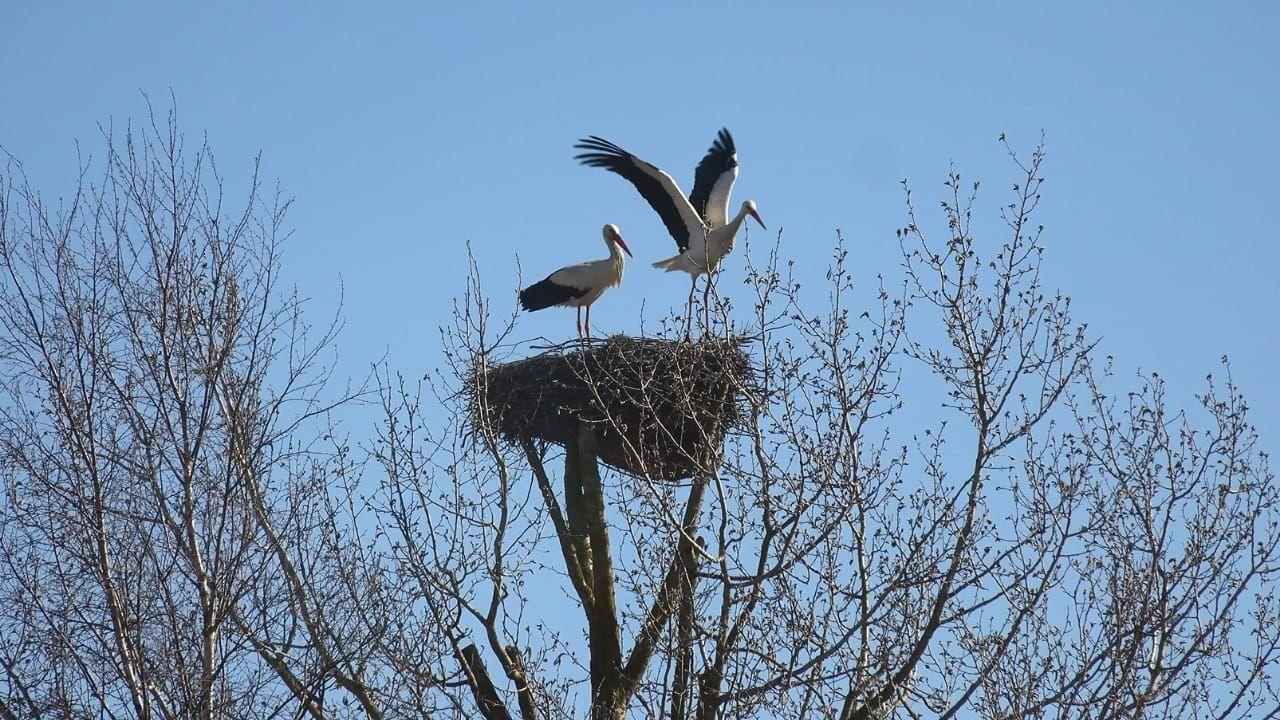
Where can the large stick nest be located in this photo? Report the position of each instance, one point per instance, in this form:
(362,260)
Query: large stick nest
(659,408)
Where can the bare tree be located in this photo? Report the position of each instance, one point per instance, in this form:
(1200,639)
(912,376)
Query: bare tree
(1037,552)
(186,532)
(170,546)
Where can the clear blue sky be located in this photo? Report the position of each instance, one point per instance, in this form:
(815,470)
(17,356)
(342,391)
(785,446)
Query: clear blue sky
(405,130)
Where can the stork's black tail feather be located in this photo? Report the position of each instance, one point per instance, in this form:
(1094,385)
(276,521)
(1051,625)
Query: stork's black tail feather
(544,294)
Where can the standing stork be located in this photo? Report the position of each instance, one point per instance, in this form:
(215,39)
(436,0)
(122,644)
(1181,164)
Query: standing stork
(582,284)
(700,225)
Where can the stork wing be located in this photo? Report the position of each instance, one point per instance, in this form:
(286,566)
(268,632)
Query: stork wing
(584,276)
(713,180)
(655,186)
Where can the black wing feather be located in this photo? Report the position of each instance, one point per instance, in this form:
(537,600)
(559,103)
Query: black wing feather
(720,158)
(544,294)
(604,154)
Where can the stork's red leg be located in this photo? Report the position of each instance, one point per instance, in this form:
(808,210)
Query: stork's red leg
(688,307)
(706,303)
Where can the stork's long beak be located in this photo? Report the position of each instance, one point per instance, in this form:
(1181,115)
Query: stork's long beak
(756,215)
(623,244)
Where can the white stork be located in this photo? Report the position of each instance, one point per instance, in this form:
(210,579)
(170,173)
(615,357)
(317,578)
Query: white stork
(582,284)
(703,232)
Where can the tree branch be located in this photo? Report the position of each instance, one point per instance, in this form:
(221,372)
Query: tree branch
(675,590)
(608,697)
(568,546)
(487,700)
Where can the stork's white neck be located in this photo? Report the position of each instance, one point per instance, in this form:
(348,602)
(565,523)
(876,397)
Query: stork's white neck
(615,252)
(727,232)
(736,222)
(618,260)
